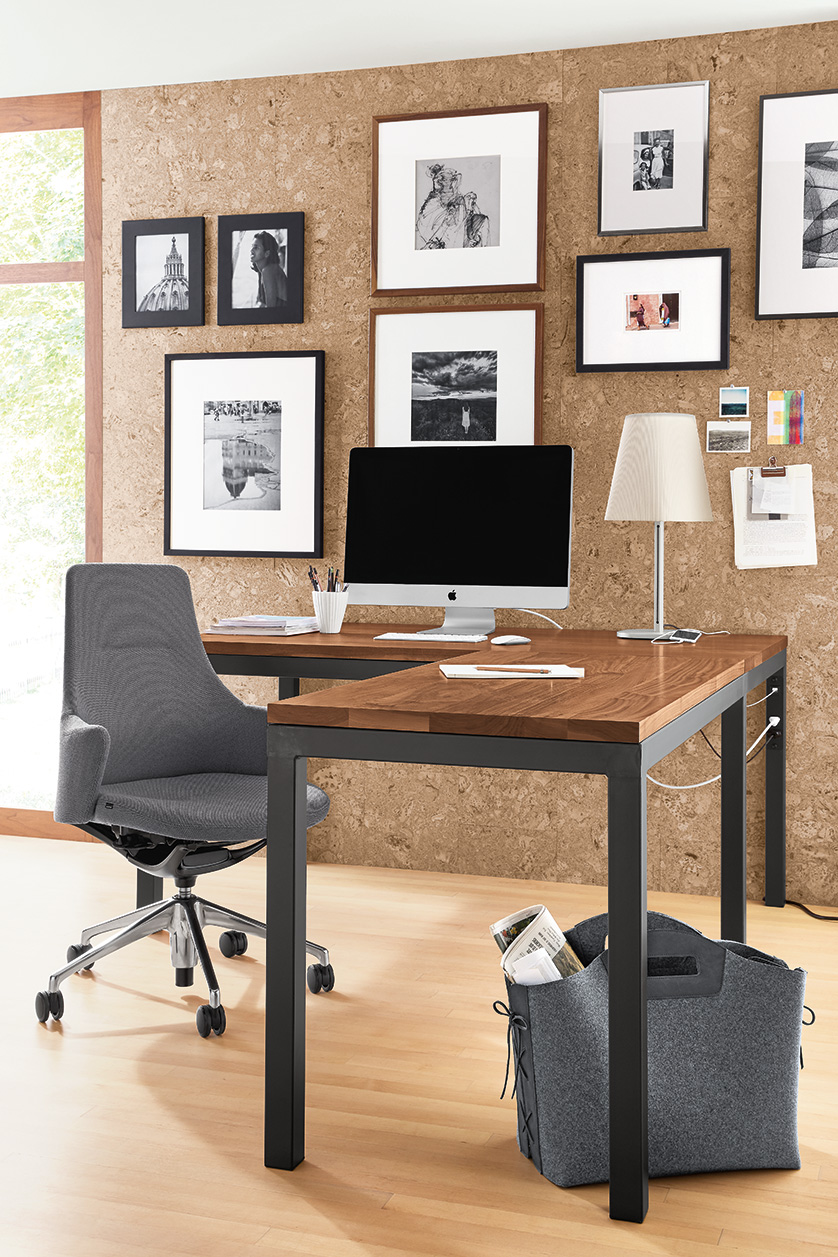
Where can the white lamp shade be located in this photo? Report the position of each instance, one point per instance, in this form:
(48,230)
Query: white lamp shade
(659,472)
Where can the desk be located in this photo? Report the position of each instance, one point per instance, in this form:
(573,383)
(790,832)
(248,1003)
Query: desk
(636,704)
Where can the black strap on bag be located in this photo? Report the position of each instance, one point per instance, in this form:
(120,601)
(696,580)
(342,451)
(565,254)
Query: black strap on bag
(515,1024)
(806,1023)
(681,965)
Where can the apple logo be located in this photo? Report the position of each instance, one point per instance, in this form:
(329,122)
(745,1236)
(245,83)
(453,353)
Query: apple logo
(452,597)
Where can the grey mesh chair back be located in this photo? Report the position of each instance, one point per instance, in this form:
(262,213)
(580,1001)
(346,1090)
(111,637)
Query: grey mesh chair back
(135,668)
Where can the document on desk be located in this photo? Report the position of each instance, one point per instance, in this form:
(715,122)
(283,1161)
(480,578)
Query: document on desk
(773,518)
(526,671)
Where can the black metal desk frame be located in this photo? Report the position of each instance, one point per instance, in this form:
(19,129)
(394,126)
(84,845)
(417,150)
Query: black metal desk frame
(624,764)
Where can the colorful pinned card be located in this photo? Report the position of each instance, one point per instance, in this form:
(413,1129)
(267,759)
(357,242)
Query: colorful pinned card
(785,416)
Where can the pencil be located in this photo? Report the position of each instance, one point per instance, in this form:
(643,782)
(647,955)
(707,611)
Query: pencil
(500,667)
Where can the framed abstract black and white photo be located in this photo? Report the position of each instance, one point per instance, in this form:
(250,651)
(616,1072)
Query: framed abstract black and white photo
(163,272)
(653,159)
(260,268)
(458,201)
(797,206)
(244,454)
(653,311)
(468,376)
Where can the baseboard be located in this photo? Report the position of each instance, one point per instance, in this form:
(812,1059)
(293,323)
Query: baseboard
(24,822)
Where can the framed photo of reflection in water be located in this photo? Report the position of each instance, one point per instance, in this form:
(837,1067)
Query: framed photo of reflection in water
(244,454)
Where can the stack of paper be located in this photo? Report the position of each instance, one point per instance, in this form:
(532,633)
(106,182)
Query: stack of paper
(266,625)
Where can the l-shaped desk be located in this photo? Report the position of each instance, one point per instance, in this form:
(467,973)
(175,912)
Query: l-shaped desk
(636,704)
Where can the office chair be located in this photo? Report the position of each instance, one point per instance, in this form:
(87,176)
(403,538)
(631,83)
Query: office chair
(163,763)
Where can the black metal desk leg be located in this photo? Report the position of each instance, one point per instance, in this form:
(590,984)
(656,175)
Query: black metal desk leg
(285,1027)
(775,795)
(149,889)
(628,1078)
(287,687)
(734,908)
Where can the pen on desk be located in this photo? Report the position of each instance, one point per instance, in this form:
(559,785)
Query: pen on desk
(511,667)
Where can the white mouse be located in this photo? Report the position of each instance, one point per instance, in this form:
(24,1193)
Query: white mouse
(511,640)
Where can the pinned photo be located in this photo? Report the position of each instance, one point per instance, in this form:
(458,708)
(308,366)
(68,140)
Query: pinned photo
(733,403)
(785,416)
(730,437)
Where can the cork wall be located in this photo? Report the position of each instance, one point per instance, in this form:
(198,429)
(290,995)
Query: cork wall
(304,143)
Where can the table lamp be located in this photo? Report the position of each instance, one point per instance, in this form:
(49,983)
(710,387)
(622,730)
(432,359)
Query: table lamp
(658,476)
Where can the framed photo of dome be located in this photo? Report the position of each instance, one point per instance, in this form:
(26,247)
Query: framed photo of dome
(163,272)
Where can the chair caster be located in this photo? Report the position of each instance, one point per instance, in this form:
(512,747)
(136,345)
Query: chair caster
(210,1020)
(232,943)
(78,949)
(320,978)
(49,1003)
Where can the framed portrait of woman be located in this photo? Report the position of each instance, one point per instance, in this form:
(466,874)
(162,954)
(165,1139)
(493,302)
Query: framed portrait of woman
(458,201)
(260,268)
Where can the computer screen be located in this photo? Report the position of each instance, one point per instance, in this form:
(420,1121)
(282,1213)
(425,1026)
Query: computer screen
(458,527)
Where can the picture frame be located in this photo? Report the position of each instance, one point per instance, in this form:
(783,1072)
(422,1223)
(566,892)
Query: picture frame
(163,272)
(244,454)
(261,268)
(797,204)
(680,297)
(653,159)
(459,201)
(460,375)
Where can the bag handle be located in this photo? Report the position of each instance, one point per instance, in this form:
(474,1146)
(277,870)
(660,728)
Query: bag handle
(707,968)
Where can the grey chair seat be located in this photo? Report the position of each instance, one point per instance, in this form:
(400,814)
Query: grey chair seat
(198,807)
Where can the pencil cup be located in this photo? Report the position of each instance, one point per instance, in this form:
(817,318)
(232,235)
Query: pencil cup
(330,609)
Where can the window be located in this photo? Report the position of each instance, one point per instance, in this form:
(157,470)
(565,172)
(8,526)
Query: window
(50,414)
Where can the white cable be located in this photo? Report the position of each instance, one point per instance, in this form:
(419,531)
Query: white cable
(763,700)
(527,611)
(772,723)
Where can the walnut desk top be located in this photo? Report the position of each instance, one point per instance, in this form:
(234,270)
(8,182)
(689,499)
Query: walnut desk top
(630,690)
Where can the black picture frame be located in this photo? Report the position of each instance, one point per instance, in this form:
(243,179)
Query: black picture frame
(706,348)
(234,269)
(149,249)
(198,390)
(788,286)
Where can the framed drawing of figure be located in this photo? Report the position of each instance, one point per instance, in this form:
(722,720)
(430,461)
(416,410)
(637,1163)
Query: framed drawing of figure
(458,201)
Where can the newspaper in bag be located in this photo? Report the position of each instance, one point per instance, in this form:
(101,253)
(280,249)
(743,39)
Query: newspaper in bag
(534,948)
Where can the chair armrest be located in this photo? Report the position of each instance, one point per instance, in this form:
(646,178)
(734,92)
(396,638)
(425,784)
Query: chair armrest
(82,755)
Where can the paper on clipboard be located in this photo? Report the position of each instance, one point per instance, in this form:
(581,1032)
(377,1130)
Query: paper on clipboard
(765,536)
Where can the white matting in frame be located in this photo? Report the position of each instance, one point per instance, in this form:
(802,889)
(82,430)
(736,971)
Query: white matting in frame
(456,376)
(635,197)
(208,394)
(509,255)
(797,255)
(605,283)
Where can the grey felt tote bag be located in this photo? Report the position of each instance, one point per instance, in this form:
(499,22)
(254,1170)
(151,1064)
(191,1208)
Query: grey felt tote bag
(724,1054)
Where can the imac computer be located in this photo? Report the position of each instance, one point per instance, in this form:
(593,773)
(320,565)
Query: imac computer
(470,529)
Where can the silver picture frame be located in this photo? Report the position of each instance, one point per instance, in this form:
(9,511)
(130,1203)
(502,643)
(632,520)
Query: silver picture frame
(659,184)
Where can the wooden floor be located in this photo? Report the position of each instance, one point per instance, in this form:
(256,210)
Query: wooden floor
(123,1134)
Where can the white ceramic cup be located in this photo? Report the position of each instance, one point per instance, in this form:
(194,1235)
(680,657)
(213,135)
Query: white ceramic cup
(330,609)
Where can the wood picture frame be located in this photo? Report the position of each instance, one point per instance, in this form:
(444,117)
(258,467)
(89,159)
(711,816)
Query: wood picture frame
(459,201)
(456,375)
(244,454)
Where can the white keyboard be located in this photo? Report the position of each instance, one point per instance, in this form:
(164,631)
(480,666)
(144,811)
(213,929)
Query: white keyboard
(431,637)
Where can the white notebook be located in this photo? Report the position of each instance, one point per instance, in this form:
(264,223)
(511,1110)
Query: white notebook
(526,671)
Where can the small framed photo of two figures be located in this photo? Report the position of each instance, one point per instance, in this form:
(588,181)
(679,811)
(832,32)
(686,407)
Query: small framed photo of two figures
(797,206)
(163,272)
(260,268)
(653,159)
(458,201)
(244,454)
(462,376)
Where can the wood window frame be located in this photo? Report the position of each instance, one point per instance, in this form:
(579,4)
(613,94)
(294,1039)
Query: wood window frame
(69,111)
(74,111)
